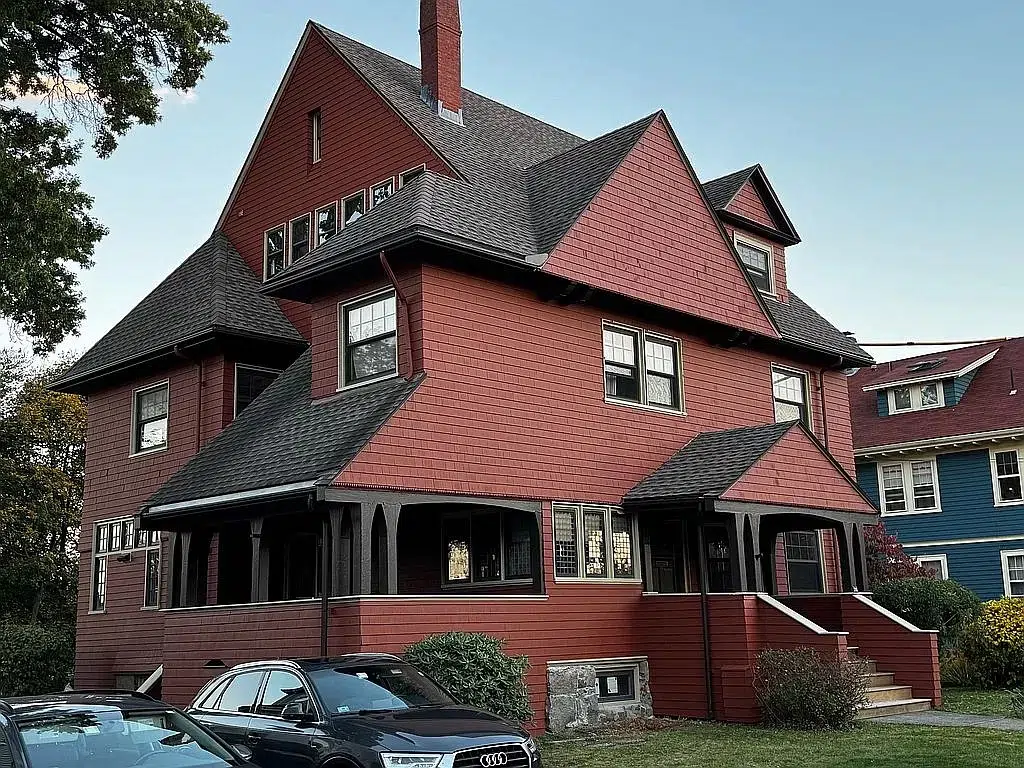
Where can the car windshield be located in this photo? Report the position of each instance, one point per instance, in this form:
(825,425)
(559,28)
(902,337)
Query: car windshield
(377,687)
(109,738)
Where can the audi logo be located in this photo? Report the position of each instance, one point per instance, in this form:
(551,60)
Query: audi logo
(493,759)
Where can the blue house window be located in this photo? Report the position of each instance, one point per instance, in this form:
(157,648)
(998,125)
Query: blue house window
(916,397)
(909,487)
(1006,477)
(1013,573)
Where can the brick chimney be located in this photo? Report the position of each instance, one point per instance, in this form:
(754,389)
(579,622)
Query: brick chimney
(441,57)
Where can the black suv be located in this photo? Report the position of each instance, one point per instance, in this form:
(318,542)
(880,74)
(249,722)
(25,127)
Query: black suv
(107,730)
(355,711)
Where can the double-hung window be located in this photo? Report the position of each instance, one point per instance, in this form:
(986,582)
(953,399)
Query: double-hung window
(916,397)
(641,368)
(483,546)
(369,336)
(149,418)
(326,223)
(791,395)
(757,261)
(1006,477)
(273,251)
(298,245)
(934,563)
(803,561)
(909,486)
(120,539)
(594,542)
(1013,572)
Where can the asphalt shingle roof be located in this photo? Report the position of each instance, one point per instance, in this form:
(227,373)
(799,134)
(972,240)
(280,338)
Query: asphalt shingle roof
(722,190)
(213,290)
(798,323)
(286,437)
(709,464)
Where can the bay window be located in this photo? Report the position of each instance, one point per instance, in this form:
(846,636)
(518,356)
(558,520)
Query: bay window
(594,542)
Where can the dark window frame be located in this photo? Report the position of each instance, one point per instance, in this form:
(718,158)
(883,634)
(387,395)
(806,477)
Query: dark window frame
(629,672)
(640,370)
(245,366)
(807,416)
(504,578)
(139,424)
(345,378)
(406,176)
(610,512)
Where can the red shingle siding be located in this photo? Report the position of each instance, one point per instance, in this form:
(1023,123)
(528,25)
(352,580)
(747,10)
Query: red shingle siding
(364,142)
(794,471)
(524,415)
(748,203)
(649,234)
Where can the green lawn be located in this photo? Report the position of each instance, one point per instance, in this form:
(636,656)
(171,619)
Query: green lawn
(976,701)
(736,746)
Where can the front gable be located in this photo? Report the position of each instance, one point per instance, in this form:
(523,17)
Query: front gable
(795,471)
(749,204)
(650,234)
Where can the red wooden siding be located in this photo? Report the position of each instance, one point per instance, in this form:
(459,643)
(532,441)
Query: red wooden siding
(525,416)
(363,142)
(649,234)
(796,472)
(748,203)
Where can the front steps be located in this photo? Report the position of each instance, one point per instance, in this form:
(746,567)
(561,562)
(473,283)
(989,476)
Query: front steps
(885,697)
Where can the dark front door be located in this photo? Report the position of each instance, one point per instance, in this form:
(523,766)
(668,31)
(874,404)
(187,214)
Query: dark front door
(663,540)
(277,739)
(719,561)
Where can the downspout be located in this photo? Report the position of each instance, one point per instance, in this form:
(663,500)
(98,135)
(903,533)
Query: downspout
(401,298)
(824,413)
(325,598)
(705,610)
(199,395)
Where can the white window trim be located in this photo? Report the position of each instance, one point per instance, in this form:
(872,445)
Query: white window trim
(578,509)
(807,390)
(288,237)
(96,555)
(915,397)
(315,223)
(641,353)
(1004,556)
(342,305)
(908,487)
(381,183)
(941,557)
(995,477)
(821,562)
(344,201)
(401,177)
(234,397)
(266,251)
(132,452)
(761,245)
(316,119)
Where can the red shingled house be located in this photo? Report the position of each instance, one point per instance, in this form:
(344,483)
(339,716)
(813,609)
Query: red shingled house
(444,366)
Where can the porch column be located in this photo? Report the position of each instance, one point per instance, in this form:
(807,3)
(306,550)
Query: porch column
(341,549)
(185,539)
(255,533)
(391,513)
(860,558)
(768,534)
(755,537)
(846,557)
(738,548)
(367,512)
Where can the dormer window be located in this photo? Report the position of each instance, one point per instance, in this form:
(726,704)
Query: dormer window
(916,397)
(381,192)
(299,238)
(757,260)
(369,348)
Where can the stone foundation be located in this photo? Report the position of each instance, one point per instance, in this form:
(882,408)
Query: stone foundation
(573,699)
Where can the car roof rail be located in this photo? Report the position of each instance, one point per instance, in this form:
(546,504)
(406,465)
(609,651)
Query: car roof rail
(112,692)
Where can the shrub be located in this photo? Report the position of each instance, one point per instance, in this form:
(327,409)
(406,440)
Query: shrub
(476,671)
(803,689)
(929,603)
(887,561)
(35,658)
(956,669)
(993,646)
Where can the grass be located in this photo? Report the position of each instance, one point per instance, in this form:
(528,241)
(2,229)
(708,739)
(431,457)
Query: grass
(976,701)
(736,746)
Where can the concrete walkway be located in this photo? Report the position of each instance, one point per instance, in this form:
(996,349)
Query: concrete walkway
(952,720)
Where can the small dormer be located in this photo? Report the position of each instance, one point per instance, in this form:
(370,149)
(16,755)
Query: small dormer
(926,383)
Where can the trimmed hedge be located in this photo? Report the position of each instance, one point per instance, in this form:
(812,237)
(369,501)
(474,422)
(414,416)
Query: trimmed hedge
(929,603)
(803,689)
(477,672)
(35,658)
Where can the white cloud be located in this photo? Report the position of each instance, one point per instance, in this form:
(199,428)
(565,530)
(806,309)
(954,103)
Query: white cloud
(175,96)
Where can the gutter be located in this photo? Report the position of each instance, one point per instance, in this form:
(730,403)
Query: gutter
(173,509)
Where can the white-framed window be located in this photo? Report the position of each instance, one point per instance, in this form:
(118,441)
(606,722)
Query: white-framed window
(916,397)
(315,134)
(804,567)
(483,546)
(791,395)
(757,258)
(1013,572)
(119,538)
(250,381)
(642,368)
(935,563)
(368,335)
(298,238)
(1006,476)
(353,207)
(150,415)
(406,176)
(594,542)
(381,192)
(326,223)
(908,487)
(273,251)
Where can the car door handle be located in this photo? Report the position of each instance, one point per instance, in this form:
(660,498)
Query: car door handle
(252,739)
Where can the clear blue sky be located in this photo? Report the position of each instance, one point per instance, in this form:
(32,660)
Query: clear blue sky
(891,131)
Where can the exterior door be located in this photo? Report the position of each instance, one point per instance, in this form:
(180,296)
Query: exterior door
(663,542)
(803,562)
(275,741)
(719,559)
(228,709)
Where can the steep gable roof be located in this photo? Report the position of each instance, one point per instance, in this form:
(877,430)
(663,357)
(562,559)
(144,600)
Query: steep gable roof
(722,190)
(285,438)
(212,291)
(725,196)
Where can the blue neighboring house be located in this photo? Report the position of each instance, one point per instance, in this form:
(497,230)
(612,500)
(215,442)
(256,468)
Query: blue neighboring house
(939,444)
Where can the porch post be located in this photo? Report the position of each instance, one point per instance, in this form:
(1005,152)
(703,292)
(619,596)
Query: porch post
(755,538)
(391,514)
(255,532)
(769,534)
(846,558)
(367,511)
(738,548)
(186,541)
(860,558)
(341,569)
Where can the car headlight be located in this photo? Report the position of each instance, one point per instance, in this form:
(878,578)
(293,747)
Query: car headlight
(420,760)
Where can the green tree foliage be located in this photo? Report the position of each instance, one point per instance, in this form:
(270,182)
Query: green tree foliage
(930,603)
(98,66)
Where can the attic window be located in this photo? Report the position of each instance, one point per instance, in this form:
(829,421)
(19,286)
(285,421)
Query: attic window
(354,207)
(315,134)
(411,174)
(326,223)
(273,251)
(757,260)
(299,240)
(916,397)
(926,365)
(381,192)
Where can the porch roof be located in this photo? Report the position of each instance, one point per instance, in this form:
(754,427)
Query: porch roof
(779,464)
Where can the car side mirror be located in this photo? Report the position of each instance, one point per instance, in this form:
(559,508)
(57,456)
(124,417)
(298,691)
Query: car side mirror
(295,711)
(243,752)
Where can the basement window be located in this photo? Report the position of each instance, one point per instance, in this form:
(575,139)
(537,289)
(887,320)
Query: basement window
(757,260)
(273,251)
(381,192)
(326,223)
(354,207)
(616,685)
(149,418)
(369,338)
(299,238)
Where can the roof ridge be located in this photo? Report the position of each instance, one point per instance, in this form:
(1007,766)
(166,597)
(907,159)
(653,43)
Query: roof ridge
(647,120)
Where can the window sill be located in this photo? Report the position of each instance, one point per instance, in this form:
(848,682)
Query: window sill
(481,585)
(148,451)
(912,512)
(150,608)
(645,406)
(357,385)
(605,581)
(97,613)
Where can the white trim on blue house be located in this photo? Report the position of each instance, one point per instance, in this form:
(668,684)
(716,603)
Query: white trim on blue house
(939,557)
(965,442)
(1004,556)
(934,376)
(910,503)
(952,542)
(996,500)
